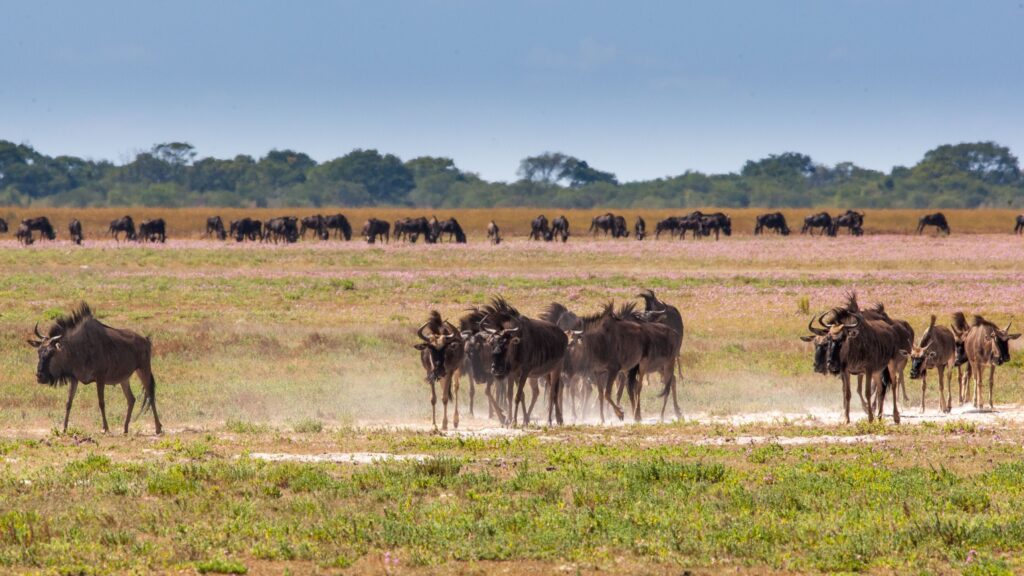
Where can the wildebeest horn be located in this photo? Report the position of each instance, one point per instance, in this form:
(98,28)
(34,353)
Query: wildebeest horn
(815,331)
(511,330)
(420,332)
(466,333)
(490,330)
(821,320)
(38,335)
(453,329)
(577,332)
(1007,329)
(856,322)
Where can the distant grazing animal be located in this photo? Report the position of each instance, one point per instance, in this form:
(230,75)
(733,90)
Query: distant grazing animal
(42,225)
(693,222)
(821,221)
(80,348)
(246,229)
(640,228)
(282,228)
(3,226)
(559,229)
(670,225)
(938,220)
(493,233)
(24,234)
(987,346)
(340,225)
(75,231)
(937,350)
(539,229)
(317,223)
(215,227)
(452,228)
(771,221)
(1018,229)
(609,224)
(125,225)
(374,229)
(441,353)
(413,228)
(717,222)
(154,230)
(851,220)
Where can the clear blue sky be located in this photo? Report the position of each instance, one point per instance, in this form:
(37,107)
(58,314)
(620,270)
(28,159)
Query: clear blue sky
(643,89)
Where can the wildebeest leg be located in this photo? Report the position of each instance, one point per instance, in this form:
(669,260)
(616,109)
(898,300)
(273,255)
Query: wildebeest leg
(636,384)
(472,396)
(535,392)
(895,404)
(864,402)
(976,373)
(924,387)
(72,388)
(944,400)
(612,374)
(446,394)
(433,403)
(103,406)
(453,385)
(991,385)
(130,399)
(555,397)
(846,397)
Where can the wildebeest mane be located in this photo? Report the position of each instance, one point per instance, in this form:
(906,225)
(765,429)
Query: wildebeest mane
(560,316)
(978,321)
(960,322)
(65,324)
(471,321)
(596,318)
(434,322)
(627,311)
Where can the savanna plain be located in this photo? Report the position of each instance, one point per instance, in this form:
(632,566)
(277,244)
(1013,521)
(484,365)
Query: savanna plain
(297,435)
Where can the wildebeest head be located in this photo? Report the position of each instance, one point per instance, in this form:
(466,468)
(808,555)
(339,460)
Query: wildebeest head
(844,326)
(52,357)
(441,349)
(999,340)
(503,349)
(820,338)
(919,357)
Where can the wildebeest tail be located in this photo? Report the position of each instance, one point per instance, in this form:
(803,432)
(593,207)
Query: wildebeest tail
(148,395)
(960,322)
(886,381)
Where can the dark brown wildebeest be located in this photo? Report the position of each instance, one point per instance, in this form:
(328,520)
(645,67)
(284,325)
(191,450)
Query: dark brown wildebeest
(42,225)
(493,233)
(938,220)
(453,229)
(123,224)
(522,349)
(340,225)
(1018,229)
(609,224)
(660,356)
(24,235)
(619,229)
(412,228)
(960,328)
(670,225)
(154,230)
(80,348)
(476,364)
(246,229)
(441,354)
(905,335)
(560,228)
(693,222)
(987,346)
(316,223)
(656,310)
(935,350)
(771,221)
(215,227)
(640,228)
(539,229)
(282,228)
(576,380)
(821,220)
(398,229)
(374,228)
(3,226)
(75,231)
(861,346)
(717,222)
(851,220)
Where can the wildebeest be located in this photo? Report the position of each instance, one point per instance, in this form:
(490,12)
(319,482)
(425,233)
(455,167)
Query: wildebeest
(656,310)
(576,379)
(246,229)
(851,220)
(539,229)
(693,222)
(960,328)
(412,228)
(340,225)
(771,221)
(374,228)
(560,228)
(935,350)
(316,223)
(609,224)
(670,225)
(640,228)
(3,226)
(453,229)
(24,234)
(80,348)
(1018,229)
(42,225)
(154,230)
(75,231)
(938,220)
(441,354)
(717,222)
(660,356)
(524,348)
(476,364)
(215,227)
(123,224)
(987,346)
(493,233)
(821,220)
(284,228)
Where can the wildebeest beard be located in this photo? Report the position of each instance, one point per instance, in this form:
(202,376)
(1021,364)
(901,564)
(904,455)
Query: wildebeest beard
(501,351)
(916,363)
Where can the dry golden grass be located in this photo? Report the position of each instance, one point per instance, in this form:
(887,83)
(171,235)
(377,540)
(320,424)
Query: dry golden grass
(191,222)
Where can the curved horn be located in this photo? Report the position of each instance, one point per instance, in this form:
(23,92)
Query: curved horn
(490,330)
(815,331)
(1008,324)
(453,329)
(38,335)
(57,337)
(821,320)
(512,330)
(577,332)
(420,332)
(856,322)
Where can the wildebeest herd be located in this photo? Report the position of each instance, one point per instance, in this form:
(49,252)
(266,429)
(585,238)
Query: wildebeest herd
(290,229)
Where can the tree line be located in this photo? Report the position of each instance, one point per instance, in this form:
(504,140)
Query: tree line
(968,175)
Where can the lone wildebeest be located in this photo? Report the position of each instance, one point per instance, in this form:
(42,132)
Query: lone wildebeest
(771,221)
(24,234)
(640,228)
(246,229)
(935,350)
(340,225)
(374,228)
(938,220)
(493,233)
(539,229)
(215,227)
(42,225)
(559,228)
(441,354)
(1018,229)
(987,346)
(154,230)
(123,224)
(80,348)
(821,220)
(75,231)
(3,226)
